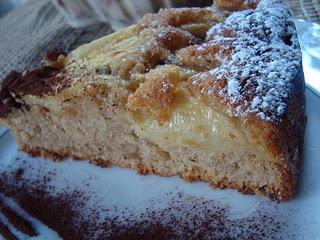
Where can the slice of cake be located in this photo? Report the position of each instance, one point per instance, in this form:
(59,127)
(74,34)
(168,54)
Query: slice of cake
(213,94)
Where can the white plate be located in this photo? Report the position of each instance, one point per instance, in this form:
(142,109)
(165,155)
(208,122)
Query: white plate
(134,194)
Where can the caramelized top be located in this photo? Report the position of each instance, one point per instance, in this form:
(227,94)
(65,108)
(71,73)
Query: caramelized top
(241,56)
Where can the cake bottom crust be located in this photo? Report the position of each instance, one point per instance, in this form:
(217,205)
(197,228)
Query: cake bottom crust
(188,176)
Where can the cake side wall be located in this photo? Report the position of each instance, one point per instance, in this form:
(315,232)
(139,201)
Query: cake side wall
(288,138)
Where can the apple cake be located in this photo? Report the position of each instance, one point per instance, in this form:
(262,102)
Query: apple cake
(212,94)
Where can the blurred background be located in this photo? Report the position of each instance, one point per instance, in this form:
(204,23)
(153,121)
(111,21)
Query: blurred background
(30,28)
(122,12)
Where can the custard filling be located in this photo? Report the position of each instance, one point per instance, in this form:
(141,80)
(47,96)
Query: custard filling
(196,126)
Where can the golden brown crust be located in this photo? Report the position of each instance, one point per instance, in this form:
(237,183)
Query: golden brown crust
(154,96)
(181,18)
(235,5)
(158,93)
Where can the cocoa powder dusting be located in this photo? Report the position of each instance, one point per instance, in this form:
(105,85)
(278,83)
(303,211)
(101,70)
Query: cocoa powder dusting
(38,82)
(5,232)
(185,217)
(16,220)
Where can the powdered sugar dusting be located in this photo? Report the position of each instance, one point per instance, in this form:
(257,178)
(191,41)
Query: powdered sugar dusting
(265,59)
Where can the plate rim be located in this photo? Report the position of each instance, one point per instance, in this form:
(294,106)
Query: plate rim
(313,90)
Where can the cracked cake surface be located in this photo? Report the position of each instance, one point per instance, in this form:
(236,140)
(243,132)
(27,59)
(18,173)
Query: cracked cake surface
(213,94)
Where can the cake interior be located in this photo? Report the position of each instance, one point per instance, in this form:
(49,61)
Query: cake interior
(197,142)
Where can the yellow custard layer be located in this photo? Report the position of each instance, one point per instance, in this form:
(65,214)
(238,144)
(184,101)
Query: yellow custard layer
(196,126)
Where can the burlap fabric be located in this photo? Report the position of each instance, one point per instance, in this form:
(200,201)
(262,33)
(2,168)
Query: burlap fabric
(305,9)
(34,28)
